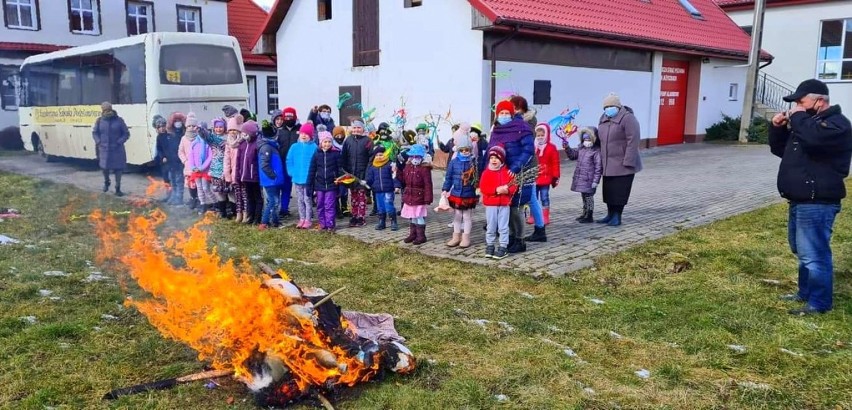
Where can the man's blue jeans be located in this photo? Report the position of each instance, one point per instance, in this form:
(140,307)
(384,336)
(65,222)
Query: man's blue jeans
(809,232)
(270,208)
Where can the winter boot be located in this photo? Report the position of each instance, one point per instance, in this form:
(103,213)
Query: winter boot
(582,216)
(538,235)
(412,233)
(420,230)
(607,218)
(106,185)
(118,190)
(455,240)
(223,209)
(517,246)
(615,220)
(589,218)
(465,240)
(382,222)
(394,225)
(546,215)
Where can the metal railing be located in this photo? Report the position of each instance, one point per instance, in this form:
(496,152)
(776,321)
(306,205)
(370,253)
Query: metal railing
(770,92)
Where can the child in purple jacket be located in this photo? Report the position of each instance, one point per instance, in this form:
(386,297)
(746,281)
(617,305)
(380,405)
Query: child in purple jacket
(587,174)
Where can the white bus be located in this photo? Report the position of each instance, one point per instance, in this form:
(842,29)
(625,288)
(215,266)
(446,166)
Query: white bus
(144,75)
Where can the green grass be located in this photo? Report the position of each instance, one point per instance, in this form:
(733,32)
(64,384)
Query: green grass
(676,325)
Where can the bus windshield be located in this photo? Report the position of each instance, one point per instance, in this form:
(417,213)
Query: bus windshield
(199,64)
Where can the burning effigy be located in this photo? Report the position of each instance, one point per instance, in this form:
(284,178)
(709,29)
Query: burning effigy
(285,342)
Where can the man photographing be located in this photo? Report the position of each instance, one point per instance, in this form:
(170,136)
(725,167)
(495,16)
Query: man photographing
(814,142)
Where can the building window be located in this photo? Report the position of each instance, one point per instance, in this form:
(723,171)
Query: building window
(189,19)
(834,61)
(413,3)
(365,33)
(9,86)
(271,94)
(541,92)
(323,10)
(140,17)
(21,14)
(691,9)
(733,91)
(84,17)
(251,81)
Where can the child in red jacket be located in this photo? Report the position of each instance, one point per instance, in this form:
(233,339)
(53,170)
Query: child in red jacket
(548,169)
(497,187)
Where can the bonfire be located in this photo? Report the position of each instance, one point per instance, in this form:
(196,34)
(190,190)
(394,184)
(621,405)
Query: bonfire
(283,341)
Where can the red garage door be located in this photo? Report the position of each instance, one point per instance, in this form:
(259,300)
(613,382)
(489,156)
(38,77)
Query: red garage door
(672,102)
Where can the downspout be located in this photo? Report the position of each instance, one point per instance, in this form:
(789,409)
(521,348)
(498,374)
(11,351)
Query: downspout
(494,65)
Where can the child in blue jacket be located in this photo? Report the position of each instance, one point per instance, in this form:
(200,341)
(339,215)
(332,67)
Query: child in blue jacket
(381,179)
(459,188)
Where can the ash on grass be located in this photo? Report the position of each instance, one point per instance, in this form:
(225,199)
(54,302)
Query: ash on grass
(679,326)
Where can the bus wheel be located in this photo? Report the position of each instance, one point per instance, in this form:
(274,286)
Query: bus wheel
(39,147)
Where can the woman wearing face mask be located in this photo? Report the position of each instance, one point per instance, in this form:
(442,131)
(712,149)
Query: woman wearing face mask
(619,135)
(516,137)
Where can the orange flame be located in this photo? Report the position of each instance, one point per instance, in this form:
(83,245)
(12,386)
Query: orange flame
(156,187)
(219,308)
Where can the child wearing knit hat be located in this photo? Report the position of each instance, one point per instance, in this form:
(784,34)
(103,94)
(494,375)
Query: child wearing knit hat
(190,126)
(342,208)
(548,169)
(497,187)
(246,174)
(325,169)
(167,154)
(220,188)
(459,187)
(380,179)
(299,159)
(232,144)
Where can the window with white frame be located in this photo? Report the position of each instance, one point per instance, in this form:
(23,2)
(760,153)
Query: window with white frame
(733,91)
(271,94)
(834,61)
(189,19)
(83,16)
(140,17)
(251,81)
(21,14)
(9,87)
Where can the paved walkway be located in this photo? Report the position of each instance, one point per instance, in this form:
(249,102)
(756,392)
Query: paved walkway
(680,187)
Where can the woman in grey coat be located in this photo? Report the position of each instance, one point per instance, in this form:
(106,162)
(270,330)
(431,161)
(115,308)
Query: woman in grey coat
(618,131)
(110,133)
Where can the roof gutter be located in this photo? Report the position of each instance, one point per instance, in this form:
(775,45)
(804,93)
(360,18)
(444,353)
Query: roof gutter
(494,62)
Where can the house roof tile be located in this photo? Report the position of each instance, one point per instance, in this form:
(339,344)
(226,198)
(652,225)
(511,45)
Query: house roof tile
(244,20)
(649,22)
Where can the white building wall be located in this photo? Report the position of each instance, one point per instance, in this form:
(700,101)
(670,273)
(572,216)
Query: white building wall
(573,87)
(716,78)
(792,34)
(430,58)
(113,20)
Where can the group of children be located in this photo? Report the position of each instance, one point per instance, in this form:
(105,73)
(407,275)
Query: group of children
(242,169)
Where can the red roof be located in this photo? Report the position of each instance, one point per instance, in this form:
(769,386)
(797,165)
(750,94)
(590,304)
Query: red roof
(31,47)
(244,19)
(654,23)
(648,24)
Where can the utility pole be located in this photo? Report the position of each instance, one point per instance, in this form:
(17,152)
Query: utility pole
(753,65)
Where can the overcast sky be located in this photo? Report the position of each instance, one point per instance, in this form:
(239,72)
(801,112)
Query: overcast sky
(265,3)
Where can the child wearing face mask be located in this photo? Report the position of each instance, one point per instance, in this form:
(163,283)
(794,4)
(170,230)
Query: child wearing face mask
(185,153)
(415,181)
(321,116)
(459,187)
(298,165)
(236,193)
(217,140)
(548,169)
(587,174)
